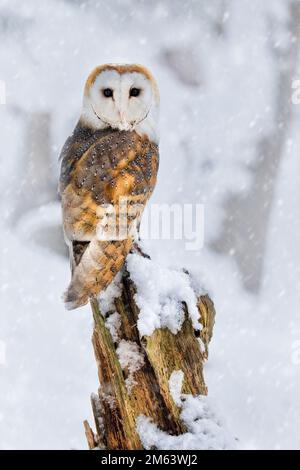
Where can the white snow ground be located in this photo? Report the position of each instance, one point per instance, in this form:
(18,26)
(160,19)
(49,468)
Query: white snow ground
(208,140)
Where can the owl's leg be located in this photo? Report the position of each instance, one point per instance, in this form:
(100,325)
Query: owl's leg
(138,229)
(133,231)
(135,234)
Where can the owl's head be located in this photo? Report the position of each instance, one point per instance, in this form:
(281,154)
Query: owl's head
(123,97)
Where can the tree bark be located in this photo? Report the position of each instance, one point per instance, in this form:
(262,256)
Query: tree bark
(116,406)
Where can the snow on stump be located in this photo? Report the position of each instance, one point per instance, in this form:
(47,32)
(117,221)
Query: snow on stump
(152,328)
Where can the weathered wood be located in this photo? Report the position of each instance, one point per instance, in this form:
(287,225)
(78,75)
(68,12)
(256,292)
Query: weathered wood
(145,395)
(168,353)
(90,436)
(117,414)
(207,319)
(117,405)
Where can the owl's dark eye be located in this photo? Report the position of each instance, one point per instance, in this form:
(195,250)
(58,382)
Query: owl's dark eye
(107,92)
(134,92)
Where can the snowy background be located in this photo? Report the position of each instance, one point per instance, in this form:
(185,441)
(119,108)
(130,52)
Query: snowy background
(229,140)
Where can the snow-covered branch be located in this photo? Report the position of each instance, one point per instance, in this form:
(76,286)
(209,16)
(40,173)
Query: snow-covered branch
(151,335)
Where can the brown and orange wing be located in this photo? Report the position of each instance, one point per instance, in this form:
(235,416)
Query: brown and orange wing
(119,164)
(116,165)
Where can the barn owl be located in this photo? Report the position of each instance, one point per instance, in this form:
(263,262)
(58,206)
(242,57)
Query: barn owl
(111,156)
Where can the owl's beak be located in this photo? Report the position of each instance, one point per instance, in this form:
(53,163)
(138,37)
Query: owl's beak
(124,125)
(122,116)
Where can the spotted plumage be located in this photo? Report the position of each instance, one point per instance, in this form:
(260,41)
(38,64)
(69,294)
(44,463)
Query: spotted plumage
(108,160)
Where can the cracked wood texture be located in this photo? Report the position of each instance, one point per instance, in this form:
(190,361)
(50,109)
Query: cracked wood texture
(116,406)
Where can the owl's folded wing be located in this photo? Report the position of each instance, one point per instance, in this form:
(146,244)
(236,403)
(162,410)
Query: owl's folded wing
(117,165)
(120,167)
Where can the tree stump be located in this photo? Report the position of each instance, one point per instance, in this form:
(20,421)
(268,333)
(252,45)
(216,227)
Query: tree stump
(134,370)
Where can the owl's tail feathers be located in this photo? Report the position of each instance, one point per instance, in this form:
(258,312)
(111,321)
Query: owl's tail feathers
(98,266)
